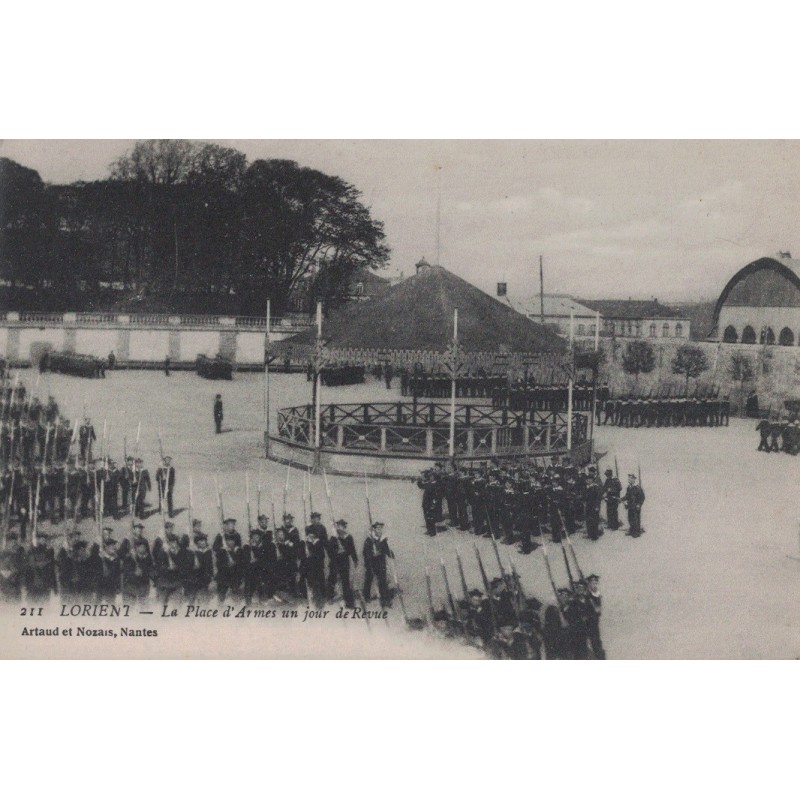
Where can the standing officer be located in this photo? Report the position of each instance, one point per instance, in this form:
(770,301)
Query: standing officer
(341,550)
(612,489)
(375,552)
(142,487)
(165,481)
(428,487)
(218,413)
(634,499)
(86,436)
(594,496)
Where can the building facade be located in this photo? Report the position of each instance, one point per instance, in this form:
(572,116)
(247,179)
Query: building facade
(760,304)
(640,319)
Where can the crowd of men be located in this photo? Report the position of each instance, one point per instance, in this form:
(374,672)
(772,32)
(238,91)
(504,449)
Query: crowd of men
(629,411)
(338,374)
(523,394)
(779,436)
(266,565)
(522,502)
(507,624)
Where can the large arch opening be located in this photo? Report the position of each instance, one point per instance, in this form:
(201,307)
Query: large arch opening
(730,335)
(767,335)
(786,338)
(748,335)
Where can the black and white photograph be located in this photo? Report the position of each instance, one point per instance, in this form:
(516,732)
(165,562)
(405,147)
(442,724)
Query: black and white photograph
(415,399)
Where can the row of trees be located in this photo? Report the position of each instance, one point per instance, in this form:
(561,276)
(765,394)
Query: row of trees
(178,217)
(690,362)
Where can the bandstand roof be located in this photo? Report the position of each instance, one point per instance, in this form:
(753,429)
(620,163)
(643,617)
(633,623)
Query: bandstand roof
(417,314)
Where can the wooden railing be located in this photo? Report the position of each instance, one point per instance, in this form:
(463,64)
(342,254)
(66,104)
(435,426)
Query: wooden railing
(407,429)
(103,319)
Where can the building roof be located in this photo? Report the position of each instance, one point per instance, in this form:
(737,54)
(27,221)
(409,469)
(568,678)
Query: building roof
(555,305)
(370,279)
(633,309)
(763,283)
(417,314)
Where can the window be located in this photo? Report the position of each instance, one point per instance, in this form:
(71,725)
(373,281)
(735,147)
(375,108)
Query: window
(665,330)
(786,338)
(652,329)
(581,329)
(748,335)
(638,328)
(678,330)
(730,334)
(359,289)
(767,335)
(630,328)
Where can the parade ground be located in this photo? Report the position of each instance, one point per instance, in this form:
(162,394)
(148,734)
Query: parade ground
(716,574)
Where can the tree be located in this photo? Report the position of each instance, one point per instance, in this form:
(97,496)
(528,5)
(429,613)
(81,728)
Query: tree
(639,357)
(303,227)
(690,361)
(741,369)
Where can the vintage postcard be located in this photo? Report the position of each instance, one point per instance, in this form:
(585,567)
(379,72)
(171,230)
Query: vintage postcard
(399,399)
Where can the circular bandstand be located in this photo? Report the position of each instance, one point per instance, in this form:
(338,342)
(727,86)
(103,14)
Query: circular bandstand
(398,440)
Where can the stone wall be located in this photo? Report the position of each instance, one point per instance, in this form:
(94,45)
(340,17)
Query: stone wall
(140,343)
(777,370)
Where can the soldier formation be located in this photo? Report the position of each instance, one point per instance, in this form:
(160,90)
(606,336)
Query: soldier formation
(524,394)
(779,436)
(629,411)
(523,502)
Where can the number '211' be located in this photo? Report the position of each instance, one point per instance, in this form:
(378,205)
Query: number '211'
(30,612)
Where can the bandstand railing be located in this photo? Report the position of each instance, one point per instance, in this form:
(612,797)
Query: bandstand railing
(422,429)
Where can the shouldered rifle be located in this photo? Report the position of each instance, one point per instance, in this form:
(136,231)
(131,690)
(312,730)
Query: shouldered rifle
(564,549)
(450,598)
(464,588)
(258,494)
(616,468)
(430,591)
(553,583)
(330,499)
(399,593)
(219,509)
(247,500)
(366,491)
(486,588)
(310,495)
(190,525)
(574,555)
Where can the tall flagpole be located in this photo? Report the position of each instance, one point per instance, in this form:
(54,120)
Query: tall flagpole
(595,375)
(453,386)
(266,383)
(569,385)
(317,382)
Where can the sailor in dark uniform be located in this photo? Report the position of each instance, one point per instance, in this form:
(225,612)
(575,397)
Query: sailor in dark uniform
(40,570)
(612,489)
(341,551)
(375,552)
(634,499)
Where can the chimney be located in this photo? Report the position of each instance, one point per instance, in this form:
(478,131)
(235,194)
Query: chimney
(422,266)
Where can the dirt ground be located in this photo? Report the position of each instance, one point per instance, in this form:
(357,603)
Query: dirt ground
(716,575)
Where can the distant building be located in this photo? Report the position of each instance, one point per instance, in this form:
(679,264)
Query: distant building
(367,284)
(640,319)
(558,309)
(761,304)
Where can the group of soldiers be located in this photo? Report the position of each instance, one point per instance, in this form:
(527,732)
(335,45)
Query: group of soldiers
(785,430)
(338,374)
(508,624)
(629,411)
(269,565)
(521,502)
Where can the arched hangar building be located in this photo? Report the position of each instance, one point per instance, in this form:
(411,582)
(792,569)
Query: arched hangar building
(761,304)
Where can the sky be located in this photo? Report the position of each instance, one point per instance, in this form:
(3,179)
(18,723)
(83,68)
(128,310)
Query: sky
(666,219)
